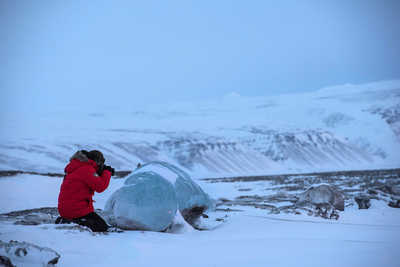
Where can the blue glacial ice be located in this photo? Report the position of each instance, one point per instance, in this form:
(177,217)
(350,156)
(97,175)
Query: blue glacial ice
(152,194)
(188,193)
(146,203)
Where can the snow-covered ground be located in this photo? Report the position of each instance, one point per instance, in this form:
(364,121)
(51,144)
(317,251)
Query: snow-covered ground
(252,237)
(339,128)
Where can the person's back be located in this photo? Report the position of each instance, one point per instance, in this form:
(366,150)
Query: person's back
(84,175)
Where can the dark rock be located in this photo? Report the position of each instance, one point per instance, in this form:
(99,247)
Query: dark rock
(244,189)
(390,189)
(23,222)
(6,262)
(228,210)
(223,199)
(191,215)
(372,192)
(395,190)
(363,201)
(394,204)
(334,215)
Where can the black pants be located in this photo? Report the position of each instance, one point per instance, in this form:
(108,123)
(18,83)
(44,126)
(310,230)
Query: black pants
(91,220)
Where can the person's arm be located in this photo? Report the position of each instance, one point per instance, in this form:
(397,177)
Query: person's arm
(98,183)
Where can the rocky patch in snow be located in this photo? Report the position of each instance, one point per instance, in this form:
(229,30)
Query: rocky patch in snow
(45,215)
(15,252)
(280,194)
(317,194)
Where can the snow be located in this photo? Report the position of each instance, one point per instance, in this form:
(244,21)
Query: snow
(249,238)
(26,191)
(246,241)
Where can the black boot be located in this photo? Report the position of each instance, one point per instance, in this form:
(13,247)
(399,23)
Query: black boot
(93,221)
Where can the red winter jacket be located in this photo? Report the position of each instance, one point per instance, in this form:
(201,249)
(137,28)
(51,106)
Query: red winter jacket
(77,189)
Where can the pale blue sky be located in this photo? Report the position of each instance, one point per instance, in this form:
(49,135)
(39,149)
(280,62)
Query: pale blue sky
(67,53)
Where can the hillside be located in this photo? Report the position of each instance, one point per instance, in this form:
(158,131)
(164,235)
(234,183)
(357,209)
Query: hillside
(337,128)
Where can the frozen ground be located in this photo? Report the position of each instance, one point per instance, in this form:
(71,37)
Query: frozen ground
(251,237)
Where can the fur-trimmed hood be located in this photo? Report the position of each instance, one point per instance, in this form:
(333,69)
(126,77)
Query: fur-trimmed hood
(78,160)
(80,155)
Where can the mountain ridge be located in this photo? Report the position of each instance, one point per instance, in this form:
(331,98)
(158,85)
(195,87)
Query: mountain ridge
(338,128)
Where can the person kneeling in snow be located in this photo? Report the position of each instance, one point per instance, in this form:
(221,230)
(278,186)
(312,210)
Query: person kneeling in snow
(84,174)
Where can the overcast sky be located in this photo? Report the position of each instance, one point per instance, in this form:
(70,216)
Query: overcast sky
(74,53)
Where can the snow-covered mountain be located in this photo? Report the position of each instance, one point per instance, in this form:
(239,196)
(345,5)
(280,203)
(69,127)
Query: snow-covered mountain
(342,127)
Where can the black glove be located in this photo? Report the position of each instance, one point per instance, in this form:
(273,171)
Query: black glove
(110,169)
(100,170)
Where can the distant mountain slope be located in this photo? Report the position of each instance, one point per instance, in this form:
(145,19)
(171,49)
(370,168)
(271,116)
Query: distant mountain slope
(313,148)
(391,115)
(342,127)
